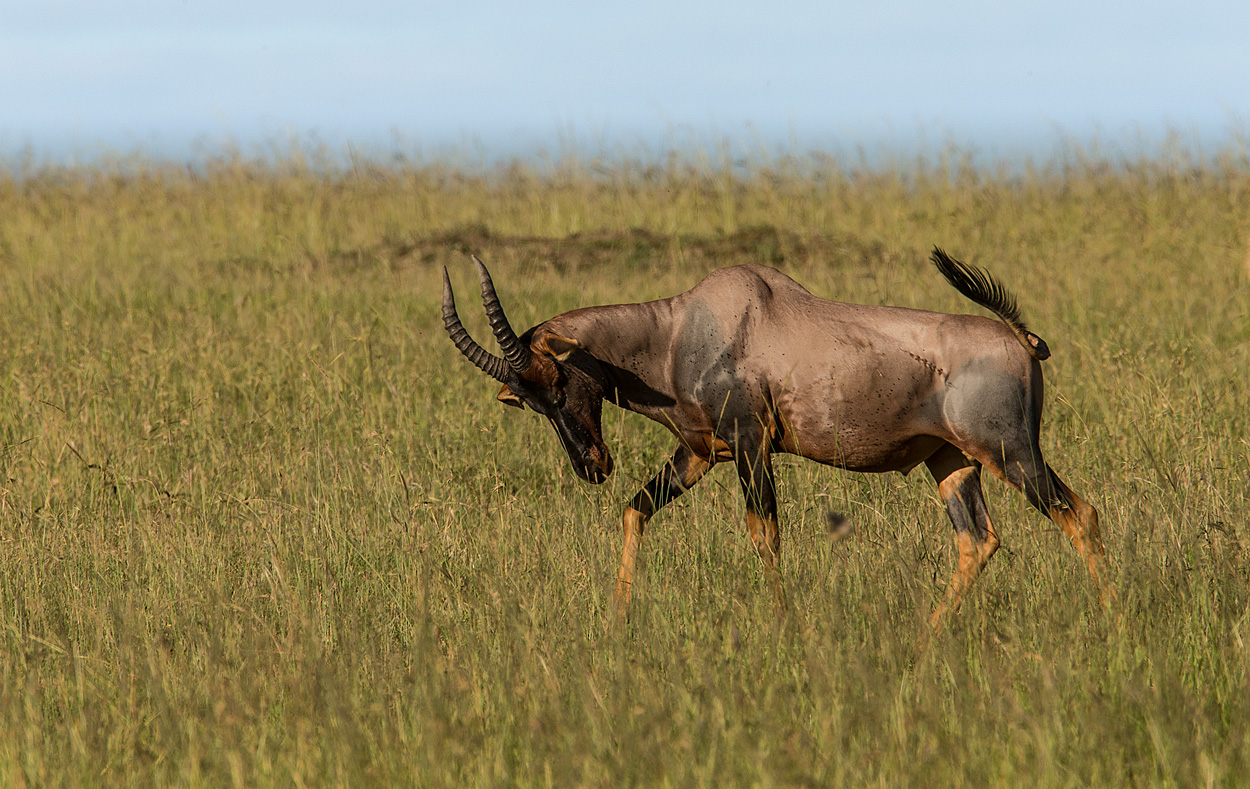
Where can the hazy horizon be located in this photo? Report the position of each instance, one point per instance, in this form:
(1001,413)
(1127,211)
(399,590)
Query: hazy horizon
(493,81)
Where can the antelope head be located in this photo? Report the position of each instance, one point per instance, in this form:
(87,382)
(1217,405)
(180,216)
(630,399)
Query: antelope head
(545,372)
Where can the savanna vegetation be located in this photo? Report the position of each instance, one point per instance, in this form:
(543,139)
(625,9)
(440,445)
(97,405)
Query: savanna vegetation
(261,524)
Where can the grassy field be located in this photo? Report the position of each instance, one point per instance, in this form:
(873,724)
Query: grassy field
(262,525)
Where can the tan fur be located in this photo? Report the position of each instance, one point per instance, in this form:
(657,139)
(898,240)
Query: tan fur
(748,363)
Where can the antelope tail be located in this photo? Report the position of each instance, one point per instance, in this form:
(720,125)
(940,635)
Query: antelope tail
(979,286)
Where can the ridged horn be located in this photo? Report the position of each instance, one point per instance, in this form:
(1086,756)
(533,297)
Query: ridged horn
(516,352)
(483,359)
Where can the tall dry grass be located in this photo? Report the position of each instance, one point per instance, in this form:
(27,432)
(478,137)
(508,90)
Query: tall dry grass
(262,525)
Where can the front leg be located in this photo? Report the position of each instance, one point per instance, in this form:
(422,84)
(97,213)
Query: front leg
(678,475)
(755,472)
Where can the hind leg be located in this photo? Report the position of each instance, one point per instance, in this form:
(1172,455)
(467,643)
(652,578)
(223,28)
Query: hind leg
(1054,499)
(1079,520)
(959,485)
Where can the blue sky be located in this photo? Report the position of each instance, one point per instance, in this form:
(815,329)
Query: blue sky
(176,76)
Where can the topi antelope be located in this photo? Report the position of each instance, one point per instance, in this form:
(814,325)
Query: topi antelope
(749,363)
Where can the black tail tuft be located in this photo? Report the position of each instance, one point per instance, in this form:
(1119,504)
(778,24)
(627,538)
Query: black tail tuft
(979,286)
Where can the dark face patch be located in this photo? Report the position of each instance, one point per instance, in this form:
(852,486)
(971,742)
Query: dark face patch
(570,396)
(586,450)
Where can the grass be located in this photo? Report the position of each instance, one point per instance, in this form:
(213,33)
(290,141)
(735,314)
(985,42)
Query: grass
(262,525)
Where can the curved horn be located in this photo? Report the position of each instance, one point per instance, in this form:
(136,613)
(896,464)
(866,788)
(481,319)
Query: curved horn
(518,355)
(485,361)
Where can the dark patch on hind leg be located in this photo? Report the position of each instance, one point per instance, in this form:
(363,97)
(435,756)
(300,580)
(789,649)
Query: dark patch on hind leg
(959,485)
(1078,519)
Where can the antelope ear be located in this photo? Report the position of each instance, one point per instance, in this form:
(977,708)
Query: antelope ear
(509,397)
(561,348)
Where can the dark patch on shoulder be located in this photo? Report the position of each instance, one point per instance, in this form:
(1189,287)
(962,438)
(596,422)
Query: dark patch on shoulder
(706,367)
